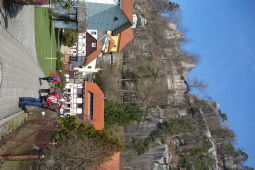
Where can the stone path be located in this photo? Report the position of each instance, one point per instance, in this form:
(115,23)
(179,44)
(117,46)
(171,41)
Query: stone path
(19,68)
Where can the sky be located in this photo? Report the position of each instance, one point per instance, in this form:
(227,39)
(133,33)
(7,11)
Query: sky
(222,32)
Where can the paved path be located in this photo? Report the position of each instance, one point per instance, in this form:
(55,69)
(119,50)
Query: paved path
(19,69)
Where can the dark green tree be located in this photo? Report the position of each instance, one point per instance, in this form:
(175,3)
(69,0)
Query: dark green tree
(117,113)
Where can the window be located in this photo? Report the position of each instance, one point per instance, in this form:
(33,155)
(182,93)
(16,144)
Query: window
(66,111)
(73,58)
(69,90)
(93,32)
(89,66)
(80,105)
(80,95)
(74,52)
(115,19)
(91,106)
(79,90)
(93,44)
(68,105)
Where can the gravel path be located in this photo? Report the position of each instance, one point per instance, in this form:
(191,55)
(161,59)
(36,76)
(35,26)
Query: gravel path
(19,68)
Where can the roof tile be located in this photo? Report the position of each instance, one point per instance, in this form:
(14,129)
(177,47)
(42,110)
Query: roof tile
(125,37)
(127,8)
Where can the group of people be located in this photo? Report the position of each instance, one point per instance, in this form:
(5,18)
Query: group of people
(54,100)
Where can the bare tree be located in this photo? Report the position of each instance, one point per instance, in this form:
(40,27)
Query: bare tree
(76,154)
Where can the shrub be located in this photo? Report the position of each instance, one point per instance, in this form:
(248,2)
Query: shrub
(166,128)
(60,70)
(117,113)
(70,37)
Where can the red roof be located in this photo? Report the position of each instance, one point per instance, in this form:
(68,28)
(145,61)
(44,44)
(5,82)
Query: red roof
(95,54)
(127,8)
(125,37)
(98,105)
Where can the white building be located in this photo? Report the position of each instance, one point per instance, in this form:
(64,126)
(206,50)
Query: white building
(75,98)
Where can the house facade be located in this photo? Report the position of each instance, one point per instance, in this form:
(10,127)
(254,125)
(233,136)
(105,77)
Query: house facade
(81,51)
(85,99)
(75,98)
(118,42)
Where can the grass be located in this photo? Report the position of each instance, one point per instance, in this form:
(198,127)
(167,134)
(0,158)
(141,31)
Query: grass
(47,40)
(21,165)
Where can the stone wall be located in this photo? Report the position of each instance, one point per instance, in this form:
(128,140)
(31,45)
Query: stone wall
(11,123)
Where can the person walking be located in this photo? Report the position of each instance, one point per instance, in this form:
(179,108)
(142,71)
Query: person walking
(52,79)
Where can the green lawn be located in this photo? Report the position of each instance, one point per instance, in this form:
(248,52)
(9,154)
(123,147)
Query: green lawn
(47,40)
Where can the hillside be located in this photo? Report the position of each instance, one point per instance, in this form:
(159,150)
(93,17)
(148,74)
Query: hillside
(180,130)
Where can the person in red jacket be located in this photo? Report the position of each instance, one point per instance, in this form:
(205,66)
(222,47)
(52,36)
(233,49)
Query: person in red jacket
(51,102)
(51,99)
(52,79)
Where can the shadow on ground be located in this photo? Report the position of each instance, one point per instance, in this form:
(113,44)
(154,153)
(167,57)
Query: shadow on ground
(10,9)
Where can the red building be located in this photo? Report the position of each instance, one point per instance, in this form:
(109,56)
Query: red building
(93,110)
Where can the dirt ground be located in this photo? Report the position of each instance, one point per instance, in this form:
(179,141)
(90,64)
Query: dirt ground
(31,138)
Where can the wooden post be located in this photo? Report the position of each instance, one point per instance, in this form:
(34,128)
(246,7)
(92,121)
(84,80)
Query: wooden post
(20,157)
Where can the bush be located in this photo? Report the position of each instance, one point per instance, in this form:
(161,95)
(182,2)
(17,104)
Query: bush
(117,113)
(223,133)
(167,128)
(60,70)
(70,37)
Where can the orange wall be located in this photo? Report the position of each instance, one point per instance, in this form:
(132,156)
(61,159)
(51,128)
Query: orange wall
(98,119)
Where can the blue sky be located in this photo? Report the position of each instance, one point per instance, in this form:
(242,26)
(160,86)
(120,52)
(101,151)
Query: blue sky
(223,34)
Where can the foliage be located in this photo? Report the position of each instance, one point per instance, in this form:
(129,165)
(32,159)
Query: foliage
(80,146)
(238,156)
(60,70)
(198,156)
(70,37)
(164,129)
(68,5)
(99,80)
(223,133)
(69,128)
(205,146)
(199,161)
(147,71)
(117,113)
(223,116)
